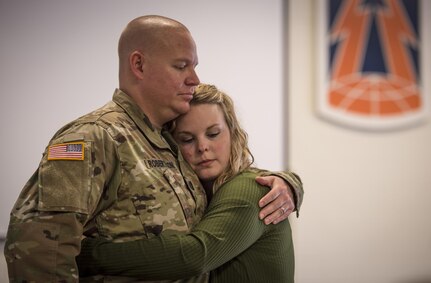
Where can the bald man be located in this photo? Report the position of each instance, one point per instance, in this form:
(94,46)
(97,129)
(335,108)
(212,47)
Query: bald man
(115,172)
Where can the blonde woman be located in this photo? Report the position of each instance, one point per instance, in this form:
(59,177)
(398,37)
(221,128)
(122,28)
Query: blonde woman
(230,241)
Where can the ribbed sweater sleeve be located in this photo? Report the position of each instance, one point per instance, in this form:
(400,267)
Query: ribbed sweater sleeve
(229,227)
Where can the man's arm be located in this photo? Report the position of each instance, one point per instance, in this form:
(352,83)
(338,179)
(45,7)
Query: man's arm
(46,225)
(44,248)
(41,245)
(286,195)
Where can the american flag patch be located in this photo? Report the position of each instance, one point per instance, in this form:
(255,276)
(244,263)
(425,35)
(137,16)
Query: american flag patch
(66,151)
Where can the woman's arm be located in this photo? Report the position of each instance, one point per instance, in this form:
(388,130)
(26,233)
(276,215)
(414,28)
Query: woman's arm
(228,228)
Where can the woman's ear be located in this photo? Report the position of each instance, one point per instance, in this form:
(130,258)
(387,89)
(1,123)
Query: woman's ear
(136,61)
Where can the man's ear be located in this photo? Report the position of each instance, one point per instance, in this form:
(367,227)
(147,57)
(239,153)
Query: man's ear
(136,61)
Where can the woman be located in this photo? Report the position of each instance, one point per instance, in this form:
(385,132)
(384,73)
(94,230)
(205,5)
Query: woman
(230,241)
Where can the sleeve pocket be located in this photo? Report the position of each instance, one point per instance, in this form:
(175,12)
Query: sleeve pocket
(65,184)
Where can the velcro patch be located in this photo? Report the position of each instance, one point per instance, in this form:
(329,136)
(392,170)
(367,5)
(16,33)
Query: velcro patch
(66,151)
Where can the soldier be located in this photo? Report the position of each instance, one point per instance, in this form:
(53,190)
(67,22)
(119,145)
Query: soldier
(116,173)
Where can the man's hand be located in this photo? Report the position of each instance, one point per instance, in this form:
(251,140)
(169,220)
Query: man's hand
(278,203)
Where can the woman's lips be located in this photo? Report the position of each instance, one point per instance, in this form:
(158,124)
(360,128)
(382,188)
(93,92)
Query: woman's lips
(206,163)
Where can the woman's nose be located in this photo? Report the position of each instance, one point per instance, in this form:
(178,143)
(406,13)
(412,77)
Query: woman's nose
(202,146)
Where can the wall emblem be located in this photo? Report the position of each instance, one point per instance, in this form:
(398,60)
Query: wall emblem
(372,63)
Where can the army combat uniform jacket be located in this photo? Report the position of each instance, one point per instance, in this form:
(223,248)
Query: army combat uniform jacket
(108,174)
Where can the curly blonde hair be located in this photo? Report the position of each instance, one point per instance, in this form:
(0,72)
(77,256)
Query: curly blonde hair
(241,157)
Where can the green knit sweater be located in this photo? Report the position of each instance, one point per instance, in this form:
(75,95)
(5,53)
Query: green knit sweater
(230,241)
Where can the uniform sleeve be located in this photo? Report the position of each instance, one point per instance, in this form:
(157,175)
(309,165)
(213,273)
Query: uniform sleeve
(228,228)
(46,224)
(294,182)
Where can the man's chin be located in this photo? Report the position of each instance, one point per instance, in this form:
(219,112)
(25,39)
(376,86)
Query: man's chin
(184,109)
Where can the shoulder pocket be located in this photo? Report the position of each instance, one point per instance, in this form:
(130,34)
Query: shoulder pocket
(65,177)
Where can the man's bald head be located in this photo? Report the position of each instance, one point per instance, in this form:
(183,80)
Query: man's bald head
(157,66)
(147,33)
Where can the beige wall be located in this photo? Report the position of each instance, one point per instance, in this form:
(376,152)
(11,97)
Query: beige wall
(366,212)
(367,208)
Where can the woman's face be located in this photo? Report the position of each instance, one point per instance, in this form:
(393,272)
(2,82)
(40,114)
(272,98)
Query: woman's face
(204,140)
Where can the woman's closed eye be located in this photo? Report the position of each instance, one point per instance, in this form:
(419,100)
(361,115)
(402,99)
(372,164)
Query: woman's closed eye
(186,140)
(213,134)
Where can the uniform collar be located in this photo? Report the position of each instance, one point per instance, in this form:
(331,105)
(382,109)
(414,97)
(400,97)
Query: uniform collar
(141,120)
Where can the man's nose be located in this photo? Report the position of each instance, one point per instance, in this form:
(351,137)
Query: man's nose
(193,79)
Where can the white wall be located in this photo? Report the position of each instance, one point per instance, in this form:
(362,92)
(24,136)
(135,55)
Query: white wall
(58,61)
(367,208)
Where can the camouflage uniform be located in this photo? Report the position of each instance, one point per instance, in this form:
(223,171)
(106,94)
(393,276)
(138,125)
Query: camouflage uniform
(108,174)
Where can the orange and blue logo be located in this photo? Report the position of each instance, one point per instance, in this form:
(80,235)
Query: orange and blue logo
(371,73)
